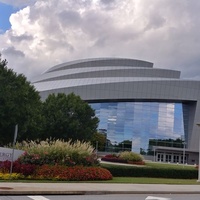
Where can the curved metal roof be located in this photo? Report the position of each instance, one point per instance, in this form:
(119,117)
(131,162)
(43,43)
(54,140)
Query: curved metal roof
(95,62)
(105,67)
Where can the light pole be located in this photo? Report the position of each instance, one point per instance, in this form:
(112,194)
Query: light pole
(184,144)
(199,159)
(96,146)
(14,141)
(154,153)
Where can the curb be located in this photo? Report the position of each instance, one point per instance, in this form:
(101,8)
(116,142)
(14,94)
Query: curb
(9,192)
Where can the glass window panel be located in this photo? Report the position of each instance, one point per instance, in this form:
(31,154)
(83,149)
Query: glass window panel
(140,121)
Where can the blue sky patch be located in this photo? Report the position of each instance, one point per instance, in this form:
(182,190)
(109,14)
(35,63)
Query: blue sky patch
(5,12)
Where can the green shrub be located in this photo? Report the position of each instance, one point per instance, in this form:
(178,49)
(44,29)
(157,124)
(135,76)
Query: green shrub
(126,171)
(130,156)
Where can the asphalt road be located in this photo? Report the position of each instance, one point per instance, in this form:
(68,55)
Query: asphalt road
(107,197)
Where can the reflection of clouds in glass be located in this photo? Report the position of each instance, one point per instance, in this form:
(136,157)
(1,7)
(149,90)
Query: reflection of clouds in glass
(164,135)
(120,114)
(166,119)
(129,123)
(178,120)
(112,120)
(136,144)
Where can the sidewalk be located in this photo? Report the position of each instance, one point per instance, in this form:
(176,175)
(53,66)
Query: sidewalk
(7,188)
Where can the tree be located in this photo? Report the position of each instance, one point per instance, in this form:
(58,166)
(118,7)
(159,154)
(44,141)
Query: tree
(19,104)
(125,145)
(68,117)
(98,140)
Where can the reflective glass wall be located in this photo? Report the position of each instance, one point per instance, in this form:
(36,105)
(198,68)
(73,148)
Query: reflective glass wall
(138,126)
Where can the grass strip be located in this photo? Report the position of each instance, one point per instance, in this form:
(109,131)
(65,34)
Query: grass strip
(121,180)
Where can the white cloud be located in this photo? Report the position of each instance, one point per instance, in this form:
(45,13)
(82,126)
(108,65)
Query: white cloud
(50,32)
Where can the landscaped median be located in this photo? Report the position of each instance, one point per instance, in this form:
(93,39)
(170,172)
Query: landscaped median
(76,161)
(55,160)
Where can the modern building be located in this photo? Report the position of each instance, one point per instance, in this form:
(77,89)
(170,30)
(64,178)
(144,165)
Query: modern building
(150,108)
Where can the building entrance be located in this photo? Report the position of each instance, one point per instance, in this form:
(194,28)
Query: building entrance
(170,157)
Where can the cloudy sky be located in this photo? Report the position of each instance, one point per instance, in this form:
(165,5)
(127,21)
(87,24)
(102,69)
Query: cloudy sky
(38,34)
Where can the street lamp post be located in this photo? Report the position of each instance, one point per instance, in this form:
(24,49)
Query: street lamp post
(199,159)
(14,141)
(154,153)
(184,144)
(96,146)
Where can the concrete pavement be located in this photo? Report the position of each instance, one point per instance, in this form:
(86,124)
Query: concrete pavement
(8,188)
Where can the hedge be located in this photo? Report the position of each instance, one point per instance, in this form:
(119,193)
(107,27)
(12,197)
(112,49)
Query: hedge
(126,171)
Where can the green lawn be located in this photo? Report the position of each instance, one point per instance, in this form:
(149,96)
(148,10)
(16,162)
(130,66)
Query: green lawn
(168,165)
(157,165)
(122,180)
(141,180)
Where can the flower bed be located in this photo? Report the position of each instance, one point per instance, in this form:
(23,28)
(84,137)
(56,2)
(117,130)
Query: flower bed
(57,160)
(24,169)
(124,157)
(77,173)
(7,176)
(53,172)
(113,159)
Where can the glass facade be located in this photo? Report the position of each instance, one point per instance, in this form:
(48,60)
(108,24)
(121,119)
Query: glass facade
(138,126)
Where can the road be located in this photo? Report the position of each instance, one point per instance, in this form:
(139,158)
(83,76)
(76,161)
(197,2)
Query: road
(107,197)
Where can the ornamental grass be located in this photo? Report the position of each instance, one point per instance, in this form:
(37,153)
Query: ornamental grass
(130,156)
(57,152)
(55,147)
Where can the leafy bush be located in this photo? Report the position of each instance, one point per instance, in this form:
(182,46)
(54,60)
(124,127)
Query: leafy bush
(113,159)
(58,152)
(7,176)
(76,173)
(124,157)
(111,156)
(130,171)
(24,169)
(130,156)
